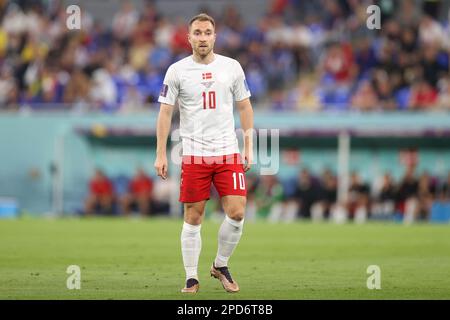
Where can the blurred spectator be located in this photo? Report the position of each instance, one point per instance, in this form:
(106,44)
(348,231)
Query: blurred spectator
(447,32)
(407,195)
(162,195)
(133,100)
(306,193)
(433,65)
(385,92)
(78,89)
(365,56)
(101,197)
(305,97)
(281,70)
(268,197)
(327,197)
(408,40)
(365,98)
(444,190)
(338,63)
(408,14)
(103,91)
(423,96)
(431,32)
(163,33)
(384,198)
(8,89)
(426,191)
(124,21)
(139,195)
(359,199)
(179,42)
(444,94)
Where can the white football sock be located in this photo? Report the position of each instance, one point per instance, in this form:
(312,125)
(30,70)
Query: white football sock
(191,245)
(229,234)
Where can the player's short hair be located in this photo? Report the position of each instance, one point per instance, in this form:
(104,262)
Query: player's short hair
(202,17)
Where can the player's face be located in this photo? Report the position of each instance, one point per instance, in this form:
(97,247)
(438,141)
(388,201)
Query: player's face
(202,37)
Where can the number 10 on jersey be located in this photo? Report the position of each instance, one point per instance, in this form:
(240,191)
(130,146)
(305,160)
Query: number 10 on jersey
(209,100)
(241,181)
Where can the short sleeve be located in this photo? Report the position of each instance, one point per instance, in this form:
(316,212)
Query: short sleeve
(240,86)
(170,88)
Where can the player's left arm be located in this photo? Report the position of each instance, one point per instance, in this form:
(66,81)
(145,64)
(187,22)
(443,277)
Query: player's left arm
(246,115)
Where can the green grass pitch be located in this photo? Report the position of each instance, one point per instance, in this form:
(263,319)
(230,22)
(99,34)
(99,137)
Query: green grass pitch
(141,259)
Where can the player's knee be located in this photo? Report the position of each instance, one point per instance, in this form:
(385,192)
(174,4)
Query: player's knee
(194,219)
(193,214)
(236,213)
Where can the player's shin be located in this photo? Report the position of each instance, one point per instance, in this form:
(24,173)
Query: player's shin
(191,245)
(229,235)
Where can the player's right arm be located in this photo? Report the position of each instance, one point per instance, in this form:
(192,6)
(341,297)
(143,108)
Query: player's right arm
(162,133)
(167,98)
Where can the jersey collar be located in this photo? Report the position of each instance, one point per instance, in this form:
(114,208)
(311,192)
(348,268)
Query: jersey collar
(203,64)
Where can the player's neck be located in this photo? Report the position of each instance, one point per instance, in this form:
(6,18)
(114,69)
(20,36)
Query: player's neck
(204,60)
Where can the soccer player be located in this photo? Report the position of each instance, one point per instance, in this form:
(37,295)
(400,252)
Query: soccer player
(205,85)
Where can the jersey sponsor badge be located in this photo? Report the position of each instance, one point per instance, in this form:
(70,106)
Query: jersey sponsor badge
(208,84)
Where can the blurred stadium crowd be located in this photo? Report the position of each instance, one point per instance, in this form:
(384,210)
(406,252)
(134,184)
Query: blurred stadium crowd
(302,55)
(412,198)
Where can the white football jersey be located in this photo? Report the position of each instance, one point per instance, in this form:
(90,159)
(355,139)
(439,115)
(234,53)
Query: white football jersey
(205,94)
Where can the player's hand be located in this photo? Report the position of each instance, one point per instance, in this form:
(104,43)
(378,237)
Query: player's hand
(161,166)
(248,160)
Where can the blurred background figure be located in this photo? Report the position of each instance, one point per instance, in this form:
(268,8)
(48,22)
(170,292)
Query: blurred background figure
(306,194)
(385,196)
(268,198)
(359,199)
(101,198)
(407,195)
(426,193)
(163,193)
(327,197)
(365,98)
(139,196)
(444,190)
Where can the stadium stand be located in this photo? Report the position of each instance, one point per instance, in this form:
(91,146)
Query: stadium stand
(118,67)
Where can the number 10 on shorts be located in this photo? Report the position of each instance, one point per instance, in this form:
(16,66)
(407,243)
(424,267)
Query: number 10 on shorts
(241,181)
